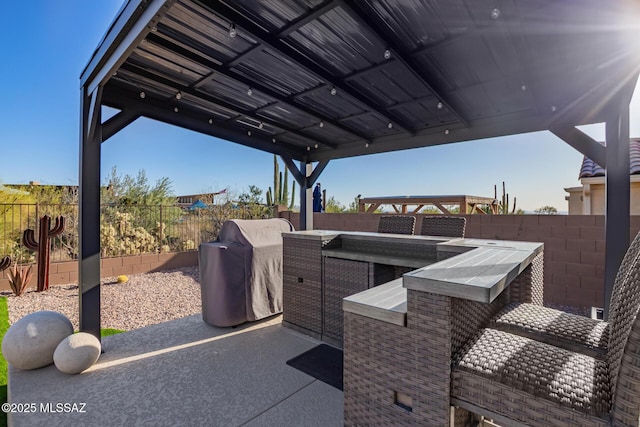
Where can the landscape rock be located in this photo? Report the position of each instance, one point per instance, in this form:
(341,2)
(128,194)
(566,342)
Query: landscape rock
(76,353)
(31,341)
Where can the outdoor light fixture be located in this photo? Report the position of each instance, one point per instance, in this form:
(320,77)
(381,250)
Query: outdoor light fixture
(321,124)
(261,125)
(175,109)
(553,108)
(387,54)
(179,95)
(142,95)
(333,91)
(495,14)
(446,131)
(439,106)
(249,92)
(315,146)
(273,140)
(249,132)
(389,125)
(523,87)
(210,121)
(308,148)
(232,31)
(366,144)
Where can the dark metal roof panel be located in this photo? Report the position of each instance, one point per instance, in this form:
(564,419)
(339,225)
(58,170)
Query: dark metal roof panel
(338,42)
(455,70)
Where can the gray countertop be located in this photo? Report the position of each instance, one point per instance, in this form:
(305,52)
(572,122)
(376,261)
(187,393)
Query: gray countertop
(482,270)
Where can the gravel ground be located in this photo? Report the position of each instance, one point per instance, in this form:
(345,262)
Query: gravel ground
(146,299)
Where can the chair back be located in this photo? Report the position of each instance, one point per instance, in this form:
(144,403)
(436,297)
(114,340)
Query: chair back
(625,409)
(397,224)
(623,311)
(449,226)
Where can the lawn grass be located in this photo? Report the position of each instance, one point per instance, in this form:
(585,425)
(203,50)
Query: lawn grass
(4,325)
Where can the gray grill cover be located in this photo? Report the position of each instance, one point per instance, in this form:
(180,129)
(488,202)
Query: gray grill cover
(241,272)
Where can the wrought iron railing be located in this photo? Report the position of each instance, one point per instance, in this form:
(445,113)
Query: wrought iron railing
(124,229)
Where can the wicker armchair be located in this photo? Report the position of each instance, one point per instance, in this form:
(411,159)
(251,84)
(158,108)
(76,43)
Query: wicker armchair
(397,224)
(569,331)
(516,380)
(449,226)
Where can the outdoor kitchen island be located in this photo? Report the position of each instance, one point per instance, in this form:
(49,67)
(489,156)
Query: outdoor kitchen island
(410,304)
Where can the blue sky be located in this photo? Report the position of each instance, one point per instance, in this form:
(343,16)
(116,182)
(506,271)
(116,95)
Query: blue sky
(45,44)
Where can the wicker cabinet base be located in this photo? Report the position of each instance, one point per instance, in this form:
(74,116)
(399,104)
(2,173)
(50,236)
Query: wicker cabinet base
(302,300)
(341,278)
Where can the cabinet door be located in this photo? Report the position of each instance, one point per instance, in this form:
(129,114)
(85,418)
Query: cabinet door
(302,303)
(341,278)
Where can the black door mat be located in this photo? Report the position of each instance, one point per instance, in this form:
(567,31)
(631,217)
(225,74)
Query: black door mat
(322,362)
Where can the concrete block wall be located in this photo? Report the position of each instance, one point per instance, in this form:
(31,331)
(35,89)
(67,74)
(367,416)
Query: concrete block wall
(573,254)
(67,272)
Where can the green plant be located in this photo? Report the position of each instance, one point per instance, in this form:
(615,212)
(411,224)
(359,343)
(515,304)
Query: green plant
(546,210)
(4,326)
(109,331)
(19,279)
(280,193)
(503,206)
(43,246)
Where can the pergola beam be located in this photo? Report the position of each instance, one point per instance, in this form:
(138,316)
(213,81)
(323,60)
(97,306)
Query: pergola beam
(113,53)
(583,143)
(198,122)
(118,122)
(217,102)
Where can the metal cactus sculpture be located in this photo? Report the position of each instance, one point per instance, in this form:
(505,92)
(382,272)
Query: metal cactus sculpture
(43,246)
(5,263)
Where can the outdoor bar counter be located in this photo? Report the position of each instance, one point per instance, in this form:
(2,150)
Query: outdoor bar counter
(401,306)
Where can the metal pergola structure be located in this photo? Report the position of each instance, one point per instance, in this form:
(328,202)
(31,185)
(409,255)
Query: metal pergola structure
(316,80)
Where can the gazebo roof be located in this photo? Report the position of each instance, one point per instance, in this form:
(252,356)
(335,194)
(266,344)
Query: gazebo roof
(317,80)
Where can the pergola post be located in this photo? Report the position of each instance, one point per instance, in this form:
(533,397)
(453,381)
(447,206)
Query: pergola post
(305,180)
(89,211)
(617,198)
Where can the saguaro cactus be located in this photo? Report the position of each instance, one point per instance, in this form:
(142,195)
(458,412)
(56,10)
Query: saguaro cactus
(43,246)
(5,263)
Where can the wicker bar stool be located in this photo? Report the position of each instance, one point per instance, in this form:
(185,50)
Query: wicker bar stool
(516,380)
(569,331)
(449,226)
(397,224)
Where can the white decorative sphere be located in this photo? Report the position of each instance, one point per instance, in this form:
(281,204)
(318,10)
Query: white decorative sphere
(30,342)
(76,353)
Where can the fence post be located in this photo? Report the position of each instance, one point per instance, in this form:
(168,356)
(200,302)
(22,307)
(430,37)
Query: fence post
(161,230)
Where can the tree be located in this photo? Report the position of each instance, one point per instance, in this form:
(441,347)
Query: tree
(131,190)
(546,210)
(251,202)
(333,206)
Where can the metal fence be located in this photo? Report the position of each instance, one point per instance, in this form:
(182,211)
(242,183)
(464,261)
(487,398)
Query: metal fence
(124,229)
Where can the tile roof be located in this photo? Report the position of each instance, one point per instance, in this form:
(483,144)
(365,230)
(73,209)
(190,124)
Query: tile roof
(590,168)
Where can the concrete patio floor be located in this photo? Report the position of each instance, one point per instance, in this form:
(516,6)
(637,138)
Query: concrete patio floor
(184,372)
